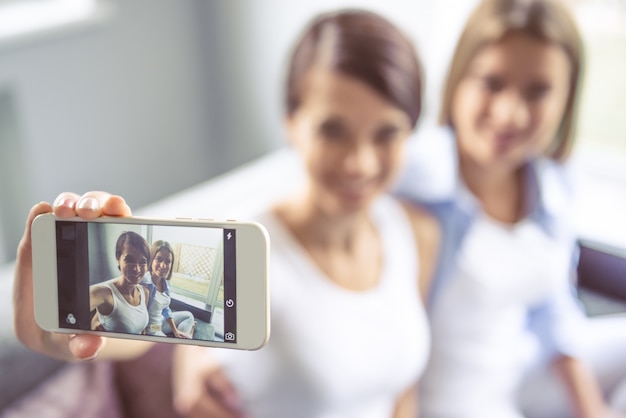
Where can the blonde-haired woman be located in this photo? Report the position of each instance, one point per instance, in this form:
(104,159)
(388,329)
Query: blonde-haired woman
(494,173)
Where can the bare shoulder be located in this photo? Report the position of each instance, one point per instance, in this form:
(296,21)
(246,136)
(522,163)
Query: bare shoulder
(99,294)
(427,236)
(146,292)
(425,225)
(100,290)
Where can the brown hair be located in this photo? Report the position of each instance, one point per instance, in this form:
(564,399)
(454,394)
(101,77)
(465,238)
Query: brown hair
(155,248)
(363,45)
(547,20)
(134,240)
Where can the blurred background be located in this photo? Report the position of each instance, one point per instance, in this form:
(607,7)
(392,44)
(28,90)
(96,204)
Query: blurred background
(145,98)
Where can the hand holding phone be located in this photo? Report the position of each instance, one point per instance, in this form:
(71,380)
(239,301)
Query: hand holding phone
(62,342)
(62,346)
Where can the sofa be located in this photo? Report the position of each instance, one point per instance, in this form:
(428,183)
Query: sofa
(34,385)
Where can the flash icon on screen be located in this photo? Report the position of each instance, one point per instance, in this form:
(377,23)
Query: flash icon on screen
(229,235)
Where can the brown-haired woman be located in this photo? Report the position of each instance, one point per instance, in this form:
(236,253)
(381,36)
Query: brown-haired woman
(120,304)
(348,261)
(496,178)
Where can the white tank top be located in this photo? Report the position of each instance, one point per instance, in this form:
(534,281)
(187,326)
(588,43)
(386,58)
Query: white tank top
(161,301)
(481,345)
(125,317)
(334,352)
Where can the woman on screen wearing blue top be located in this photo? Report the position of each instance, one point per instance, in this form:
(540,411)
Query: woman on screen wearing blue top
(494,174)
(162,320)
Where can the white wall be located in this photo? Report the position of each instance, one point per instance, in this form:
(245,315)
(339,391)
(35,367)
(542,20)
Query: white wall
(113,99)
(121,106)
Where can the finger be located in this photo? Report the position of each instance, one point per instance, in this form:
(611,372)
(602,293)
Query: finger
(86,347)
(69,347)
(116,206)
(64,206)
(94,204)
(91,204)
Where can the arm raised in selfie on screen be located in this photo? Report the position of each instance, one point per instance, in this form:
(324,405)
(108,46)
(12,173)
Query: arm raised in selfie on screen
(68,347)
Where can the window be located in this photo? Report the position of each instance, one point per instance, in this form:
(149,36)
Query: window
(602,126)
(198,269)
(28,19)
(195,269)
(600,154)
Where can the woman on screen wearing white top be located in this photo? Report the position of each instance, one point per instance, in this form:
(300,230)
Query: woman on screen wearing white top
(121,304)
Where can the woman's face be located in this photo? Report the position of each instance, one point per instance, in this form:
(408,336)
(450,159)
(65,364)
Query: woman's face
(351,140)
(133,264)
(510,104)
(162,263)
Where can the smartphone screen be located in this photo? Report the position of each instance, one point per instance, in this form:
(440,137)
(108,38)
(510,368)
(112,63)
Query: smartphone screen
(109,274)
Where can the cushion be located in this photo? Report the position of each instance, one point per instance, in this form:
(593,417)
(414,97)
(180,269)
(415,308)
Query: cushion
(79,390)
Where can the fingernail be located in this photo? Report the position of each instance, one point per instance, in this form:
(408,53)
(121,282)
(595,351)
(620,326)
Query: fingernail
(92,357)
(79,345)
(63,201)
(88,203)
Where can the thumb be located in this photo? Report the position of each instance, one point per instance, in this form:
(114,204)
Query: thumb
(86,347)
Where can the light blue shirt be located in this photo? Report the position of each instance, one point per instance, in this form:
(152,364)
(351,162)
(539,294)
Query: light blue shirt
(431,178)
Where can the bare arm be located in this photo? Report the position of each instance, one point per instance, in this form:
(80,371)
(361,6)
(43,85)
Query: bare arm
(99,296)
(64,346)
(406,405)
(177,333)
(428,236)
(583,389)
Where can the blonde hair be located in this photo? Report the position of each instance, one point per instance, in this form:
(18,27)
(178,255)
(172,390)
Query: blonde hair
(547,20)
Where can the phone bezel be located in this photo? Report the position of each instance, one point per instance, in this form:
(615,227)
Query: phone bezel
(252,285)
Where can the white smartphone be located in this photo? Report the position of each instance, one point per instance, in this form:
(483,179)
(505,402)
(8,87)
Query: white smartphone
(190,281)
